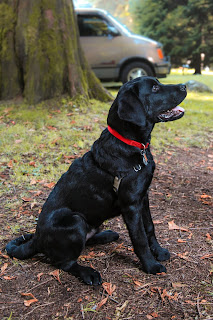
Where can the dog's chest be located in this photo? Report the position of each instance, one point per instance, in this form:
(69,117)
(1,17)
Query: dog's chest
(137,182)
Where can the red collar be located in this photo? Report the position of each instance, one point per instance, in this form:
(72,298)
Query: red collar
(128,141)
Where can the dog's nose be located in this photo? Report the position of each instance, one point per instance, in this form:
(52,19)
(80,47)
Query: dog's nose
(182,87)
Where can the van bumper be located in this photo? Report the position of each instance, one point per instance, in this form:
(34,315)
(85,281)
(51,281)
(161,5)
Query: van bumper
(161,70)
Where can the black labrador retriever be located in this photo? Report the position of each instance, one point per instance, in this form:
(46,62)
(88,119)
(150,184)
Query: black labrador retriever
(111,179)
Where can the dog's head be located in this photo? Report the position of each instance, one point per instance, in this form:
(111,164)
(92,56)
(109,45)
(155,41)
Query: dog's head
(144,101)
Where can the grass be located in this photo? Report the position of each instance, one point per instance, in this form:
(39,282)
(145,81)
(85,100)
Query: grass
(36,141)
(195,128)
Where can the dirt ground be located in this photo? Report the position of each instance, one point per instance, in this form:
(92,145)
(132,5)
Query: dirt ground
(181,204)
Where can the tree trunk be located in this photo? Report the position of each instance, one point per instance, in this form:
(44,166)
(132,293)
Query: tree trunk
(196,63)
(40,53)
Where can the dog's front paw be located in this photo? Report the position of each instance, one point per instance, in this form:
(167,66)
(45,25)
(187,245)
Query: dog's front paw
(163,255)
(154,268)
(90,276)
(160,253)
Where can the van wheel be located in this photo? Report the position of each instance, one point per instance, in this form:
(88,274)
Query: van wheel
(135,70)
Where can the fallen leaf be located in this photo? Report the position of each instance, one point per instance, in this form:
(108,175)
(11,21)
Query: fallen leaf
(51,128)
(9,277)
(205,196)
(56,140)
(138,283)
(32,163)
(206,256)
(33,181)
(3,268)
(174,297)
(90,256)
(190,236)
(168,295)
(33,205)
(181,241)
(27,303)
(10,164)
(208,237)
(173,226)
(206,199)
(55,274)
(178,285)
(119,246)
(27,294)
(154,314)
(109,287)
(39,276)
(101,303)
(25,199)
(164,294)
(49,185)
(79,300)
(183,256)
(38,193)
(190,302)
(158,221)
(70,157)
(3,255)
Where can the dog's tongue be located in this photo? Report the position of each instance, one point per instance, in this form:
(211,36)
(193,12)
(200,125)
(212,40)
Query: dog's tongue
(178,109)
(172,114)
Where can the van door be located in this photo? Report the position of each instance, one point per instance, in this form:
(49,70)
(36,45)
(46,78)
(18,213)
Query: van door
(100,41)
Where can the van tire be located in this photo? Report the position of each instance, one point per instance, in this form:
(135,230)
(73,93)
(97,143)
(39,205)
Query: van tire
(134,70)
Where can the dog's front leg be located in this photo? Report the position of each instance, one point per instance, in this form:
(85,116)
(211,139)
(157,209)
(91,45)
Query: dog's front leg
(134,221)
(159,253)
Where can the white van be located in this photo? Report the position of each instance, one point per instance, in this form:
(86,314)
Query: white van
(114,53)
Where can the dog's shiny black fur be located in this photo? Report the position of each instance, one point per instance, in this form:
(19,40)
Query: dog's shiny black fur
(84,197)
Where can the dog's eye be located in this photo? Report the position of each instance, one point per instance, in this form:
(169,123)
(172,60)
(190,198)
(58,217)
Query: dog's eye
(155,88)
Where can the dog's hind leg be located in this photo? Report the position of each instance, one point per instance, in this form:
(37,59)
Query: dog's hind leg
(161,254)
(64,241)
(103,237)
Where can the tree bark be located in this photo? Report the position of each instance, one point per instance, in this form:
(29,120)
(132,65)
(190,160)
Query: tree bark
(40,53)
(196,63)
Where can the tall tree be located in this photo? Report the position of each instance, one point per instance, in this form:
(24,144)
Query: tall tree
(185,27)
(40,53)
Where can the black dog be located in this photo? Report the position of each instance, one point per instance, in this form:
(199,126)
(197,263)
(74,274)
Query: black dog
(111,179)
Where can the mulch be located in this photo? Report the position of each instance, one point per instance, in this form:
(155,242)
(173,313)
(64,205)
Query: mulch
(181,204)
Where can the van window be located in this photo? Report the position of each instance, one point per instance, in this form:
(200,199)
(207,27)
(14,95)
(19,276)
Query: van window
(95,26)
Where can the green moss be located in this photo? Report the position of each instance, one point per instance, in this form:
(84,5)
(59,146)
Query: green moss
(51,52)
(48,51)
(9,85)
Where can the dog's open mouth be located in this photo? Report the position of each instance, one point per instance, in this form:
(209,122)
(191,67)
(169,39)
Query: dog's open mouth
(172,114)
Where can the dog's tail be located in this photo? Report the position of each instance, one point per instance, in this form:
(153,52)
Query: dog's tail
(22,248)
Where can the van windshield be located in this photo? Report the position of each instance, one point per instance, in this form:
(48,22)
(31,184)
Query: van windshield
(119,24)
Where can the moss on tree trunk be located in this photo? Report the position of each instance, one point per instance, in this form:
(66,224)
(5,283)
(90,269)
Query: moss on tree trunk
(40,53)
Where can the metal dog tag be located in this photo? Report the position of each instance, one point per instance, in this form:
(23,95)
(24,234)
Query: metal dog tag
(145,160)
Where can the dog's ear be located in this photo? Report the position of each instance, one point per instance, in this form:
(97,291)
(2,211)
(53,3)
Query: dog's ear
(130,108)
